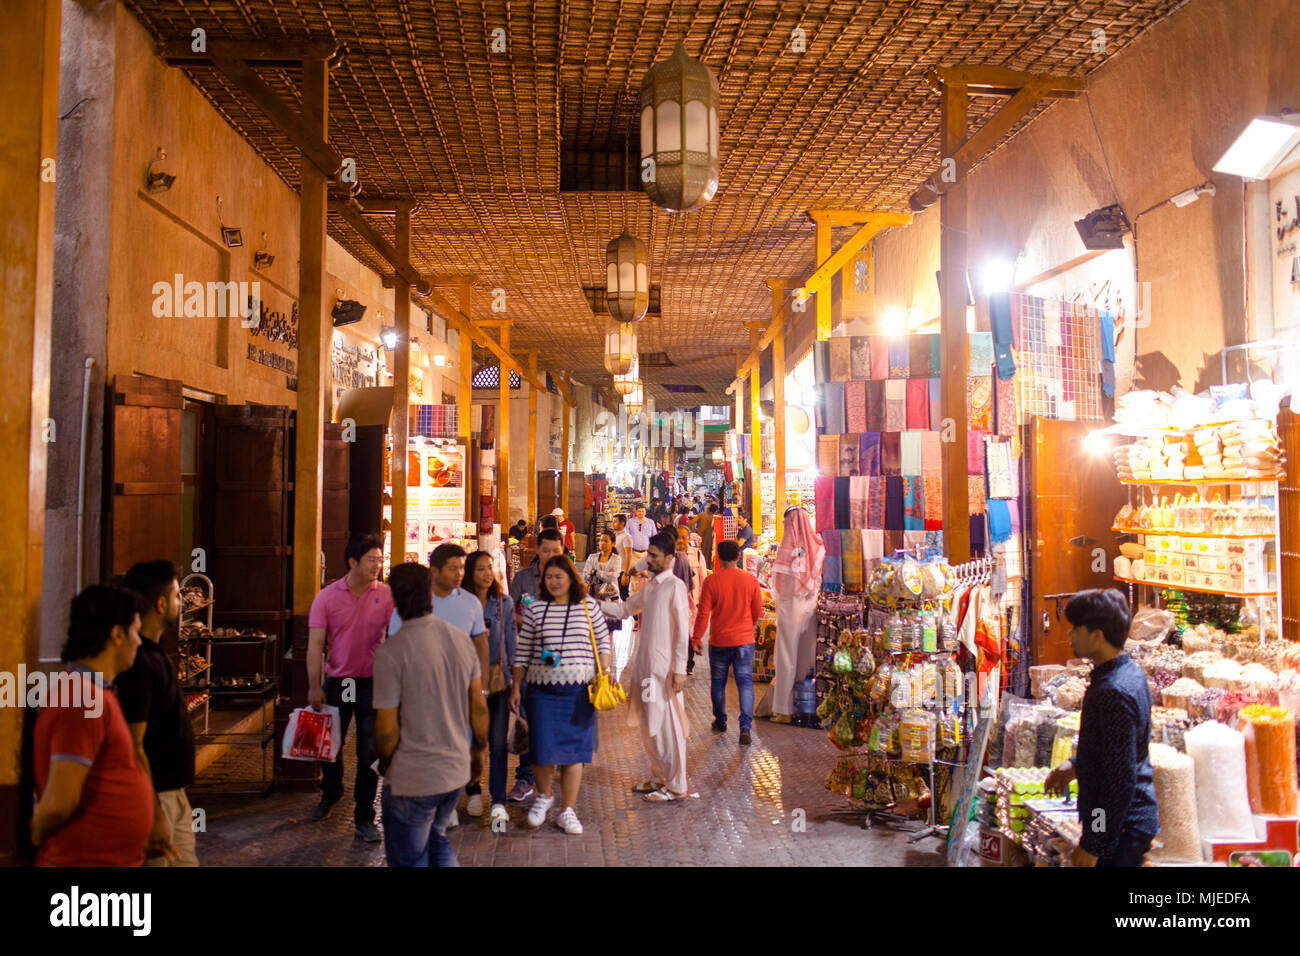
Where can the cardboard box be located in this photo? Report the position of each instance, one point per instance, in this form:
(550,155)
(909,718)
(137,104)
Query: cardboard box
(996,849)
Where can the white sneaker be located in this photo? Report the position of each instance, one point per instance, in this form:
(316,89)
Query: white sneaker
(454,821)
(568,822)
(475,805)
(499,812)
(537,812)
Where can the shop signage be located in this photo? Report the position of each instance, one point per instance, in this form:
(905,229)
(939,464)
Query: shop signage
(353,367)
(274,326)
(271,360)
(1284,196)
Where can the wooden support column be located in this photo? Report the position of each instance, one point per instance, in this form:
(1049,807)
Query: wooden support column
(313,351)
(952,327)
(778,401)
(532,437)
(822,251)
(755,433)
(465,395)
(503,438)
(401,384)
(565,409)
(29,82)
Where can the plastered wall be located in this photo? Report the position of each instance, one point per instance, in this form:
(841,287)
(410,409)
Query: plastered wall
(1165,110)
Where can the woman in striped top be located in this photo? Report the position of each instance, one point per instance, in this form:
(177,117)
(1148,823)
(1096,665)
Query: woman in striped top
(554,661)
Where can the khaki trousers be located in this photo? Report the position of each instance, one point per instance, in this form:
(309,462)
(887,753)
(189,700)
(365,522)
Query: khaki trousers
(175,806)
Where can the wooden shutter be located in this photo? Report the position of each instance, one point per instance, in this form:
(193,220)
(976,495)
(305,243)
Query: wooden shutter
(1288,506)
(144,520)
(335,493)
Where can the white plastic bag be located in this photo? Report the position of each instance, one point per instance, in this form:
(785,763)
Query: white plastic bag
(312,734)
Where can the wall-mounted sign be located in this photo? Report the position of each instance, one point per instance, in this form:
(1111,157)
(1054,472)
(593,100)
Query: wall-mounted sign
(1284,206)
(271,360)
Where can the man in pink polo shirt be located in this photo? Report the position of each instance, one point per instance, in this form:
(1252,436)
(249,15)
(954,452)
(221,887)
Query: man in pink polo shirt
(349,619)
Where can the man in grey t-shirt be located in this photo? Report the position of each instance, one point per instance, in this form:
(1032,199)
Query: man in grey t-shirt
(428,699)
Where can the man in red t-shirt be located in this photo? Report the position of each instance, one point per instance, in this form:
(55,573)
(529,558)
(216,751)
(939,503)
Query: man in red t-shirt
(95,803)
(734,601)
(566,528)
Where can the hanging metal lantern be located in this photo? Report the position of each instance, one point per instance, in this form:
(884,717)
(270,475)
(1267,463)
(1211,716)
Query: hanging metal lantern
(631,379)
(620,348)
(679,132)
(634,400)
(627,278)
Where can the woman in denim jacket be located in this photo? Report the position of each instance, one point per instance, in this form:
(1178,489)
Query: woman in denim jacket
(499,618)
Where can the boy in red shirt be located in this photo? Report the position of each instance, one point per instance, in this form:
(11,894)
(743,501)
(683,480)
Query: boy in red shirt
(95,802)
(734,600)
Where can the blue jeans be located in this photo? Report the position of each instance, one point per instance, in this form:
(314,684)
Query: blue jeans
(740,660)
(367,781)
(1129,851)
(524,772)
(498,752)
(415,828)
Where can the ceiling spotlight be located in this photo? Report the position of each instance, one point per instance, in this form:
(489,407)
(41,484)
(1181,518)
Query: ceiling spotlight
(924,197)
(1263,144)
(1103,228)
(440,360)
(895,323)
(158,182)
(347,312)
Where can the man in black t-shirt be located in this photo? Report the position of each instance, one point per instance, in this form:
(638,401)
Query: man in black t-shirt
(744,533)
(155,709)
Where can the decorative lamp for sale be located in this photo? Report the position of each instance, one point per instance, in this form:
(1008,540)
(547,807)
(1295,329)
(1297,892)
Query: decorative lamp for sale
(633,400)
(679,132)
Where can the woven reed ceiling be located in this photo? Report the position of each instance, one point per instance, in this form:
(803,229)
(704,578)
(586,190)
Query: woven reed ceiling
(427,110)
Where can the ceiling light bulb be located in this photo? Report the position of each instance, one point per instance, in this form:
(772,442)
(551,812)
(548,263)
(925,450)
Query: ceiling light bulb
(895,324)
(440,360)
(1263,144)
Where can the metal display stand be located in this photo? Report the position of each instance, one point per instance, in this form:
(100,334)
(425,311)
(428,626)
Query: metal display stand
(976,573)
(262,687)
(188,680)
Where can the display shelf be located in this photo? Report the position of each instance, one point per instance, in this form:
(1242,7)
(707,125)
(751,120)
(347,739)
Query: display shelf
(1203,482)
(1169,586)
(1191,534)
(198,607)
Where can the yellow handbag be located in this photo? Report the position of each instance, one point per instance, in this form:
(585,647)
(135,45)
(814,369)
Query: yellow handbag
(603,693)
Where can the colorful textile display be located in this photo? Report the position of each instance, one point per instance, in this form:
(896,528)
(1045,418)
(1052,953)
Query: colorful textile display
(869,453)
(895,405)
(981,353)
(913,508)
(998,460)
(979,403)
(855,402)
(842,502)
(824,501)
(918,403)
(879,357)
(909,456)
(851,559)
(890,453)
(833,396)
(828,454)
(975,452)
(860,358)
(899,358)
(876,406)
(918,353)
(848,456)
(894,503)
(936,404)
(841,364)
(859,490)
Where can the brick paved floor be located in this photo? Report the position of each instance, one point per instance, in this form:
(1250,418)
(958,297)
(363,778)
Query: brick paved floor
(747,813)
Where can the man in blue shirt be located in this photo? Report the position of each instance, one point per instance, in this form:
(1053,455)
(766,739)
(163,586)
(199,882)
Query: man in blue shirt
(744,533)
(642,529)
(1117,794)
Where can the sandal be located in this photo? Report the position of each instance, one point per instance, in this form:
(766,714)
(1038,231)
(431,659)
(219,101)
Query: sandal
(648,787)
(663,795)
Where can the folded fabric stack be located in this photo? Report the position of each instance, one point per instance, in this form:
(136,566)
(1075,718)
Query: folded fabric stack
(1251,450)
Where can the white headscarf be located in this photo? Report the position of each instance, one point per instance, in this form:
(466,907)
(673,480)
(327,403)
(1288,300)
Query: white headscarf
(798,563)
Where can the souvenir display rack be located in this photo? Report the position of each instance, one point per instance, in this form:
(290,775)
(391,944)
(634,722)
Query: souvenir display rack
(888,785)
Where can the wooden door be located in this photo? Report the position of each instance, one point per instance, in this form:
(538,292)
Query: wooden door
(145,517)
(252,517)
(1071,499)
(335,489)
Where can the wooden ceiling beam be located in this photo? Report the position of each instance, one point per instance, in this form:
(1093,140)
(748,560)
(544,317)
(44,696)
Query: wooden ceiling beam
(321,155)
(388,205)
(408,273)
(268,52)
(996,79)
(873,224)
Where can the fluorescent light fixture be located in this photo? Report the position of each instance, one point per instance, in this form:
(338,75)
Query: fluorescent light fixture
(1260,147)
(895,324)
(996,275)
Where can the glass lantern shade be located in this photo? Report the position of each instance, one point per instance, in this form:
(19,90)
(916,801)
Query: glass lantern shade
(627,278)
(620,348)
(623,384)
(634,400)
(679,132)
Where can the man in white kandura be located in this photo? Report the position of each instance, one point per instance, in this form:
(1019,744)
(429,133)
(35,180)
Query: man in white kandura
(656,674)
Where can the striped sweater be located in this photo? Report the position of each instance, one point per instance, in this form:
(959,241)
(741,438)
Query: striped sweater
(562,628)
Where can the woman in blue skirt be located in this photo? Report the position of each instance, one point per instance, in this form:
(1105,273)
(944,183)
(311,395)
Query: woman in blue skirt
(555,659)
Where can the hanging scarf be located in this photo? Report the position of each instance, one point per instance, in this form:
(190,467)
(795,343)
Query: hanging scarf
(797,570)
